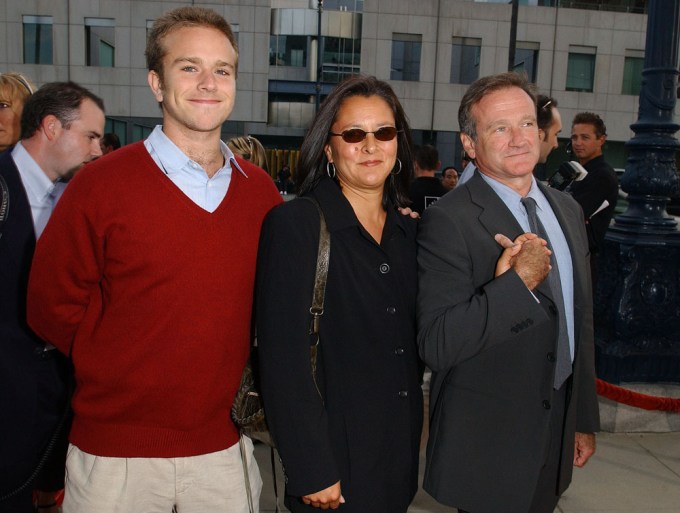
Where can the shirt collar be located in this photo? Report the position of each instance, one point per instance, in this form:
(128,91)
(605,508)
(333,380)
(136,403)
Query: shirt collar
(38,186)
(173,160)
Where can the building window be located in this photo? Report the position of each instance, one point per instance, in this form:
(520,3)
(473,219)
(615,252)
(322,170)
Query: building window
(140,132)
(465,54)
(581,69)
(37,39)
(341,58)
(406,57)
(288,50)
(632,72)
(526,59)
(100,42)
(117,127)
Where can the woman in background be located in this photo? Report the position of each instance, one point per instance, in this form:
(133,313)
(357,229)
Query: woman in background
(14,90)
(353,444)
(251,149)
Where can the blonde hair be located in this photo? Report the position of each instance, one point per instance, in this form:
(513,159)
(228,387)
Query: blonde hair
(16,86)
(250,149)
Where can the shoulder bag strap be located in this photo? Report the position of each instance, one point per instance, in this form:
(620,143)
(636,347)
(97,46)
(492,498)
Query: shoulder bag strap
(316,310)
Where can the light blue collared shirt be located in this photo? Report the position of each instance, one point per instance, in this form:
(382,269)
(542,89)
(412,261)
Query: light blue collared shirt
(187,174)
(558,241)
(41,191)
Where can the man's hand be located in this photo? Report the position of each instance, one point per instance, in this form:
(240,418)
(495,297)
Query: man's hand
(584,448)
(528,255)
(330,498)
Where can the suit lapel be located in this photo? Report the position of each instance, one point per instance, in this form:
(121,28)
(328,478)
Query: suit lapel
(497,218)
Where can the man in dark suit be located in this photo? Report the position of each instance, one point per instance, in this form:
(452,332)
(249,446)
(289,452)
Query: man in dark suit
(513,404)
(61,125)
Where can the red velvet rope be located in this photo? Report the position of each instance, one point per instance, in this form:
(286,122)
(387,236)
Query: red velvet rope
(637,400)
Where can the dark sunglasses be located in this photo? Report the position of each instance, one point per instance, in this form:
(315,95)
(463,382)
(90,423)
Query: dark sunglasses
(355,135)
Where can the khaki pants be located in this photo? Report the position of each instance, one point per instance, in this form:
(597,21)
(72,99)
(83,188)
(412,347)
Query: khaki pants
(197,484)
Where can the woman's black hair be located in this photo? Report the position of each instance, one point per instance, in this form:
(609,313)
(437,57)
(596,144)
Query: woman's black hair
(313,160)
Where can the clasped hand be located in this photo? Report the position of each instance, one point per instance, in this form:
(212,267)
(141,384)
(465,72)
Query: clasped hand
(528,255)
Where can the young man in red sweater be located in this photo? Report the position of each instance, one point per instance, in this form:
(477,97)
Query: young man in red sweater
(145,278)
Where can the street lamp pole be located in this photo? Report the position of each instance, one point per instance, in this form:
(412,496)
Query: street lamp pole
(637,300)
(319,56)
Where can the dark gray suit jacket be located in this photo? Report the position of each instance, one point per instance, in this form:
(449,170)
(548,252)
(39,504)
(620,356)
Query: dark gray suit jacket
(491,347)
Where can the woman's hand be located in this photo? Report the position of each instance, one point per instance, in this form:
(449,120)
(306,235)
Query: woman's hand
(330,498)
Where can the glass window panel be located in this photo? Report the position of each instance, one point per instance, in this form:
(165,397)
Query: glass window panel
(288,50)
(341,58)
(100,44)
(465,58)
(526,59)
(632,75)
(580,72)
(405,64)
(37,43)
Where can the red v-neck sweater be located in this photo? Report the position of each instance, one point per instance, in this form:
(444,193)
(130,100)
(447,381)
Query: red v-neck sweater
(152,296)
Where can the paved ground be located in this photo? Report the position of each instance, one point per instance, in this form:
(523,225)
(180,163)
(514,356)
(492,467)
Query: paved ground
(630,473)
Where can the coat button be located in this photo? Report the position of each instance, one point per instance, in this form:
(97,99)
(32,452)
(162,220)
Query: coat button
(403,394)
(399,351)
(384,268)
(551,357)
(391,310)
(546,405)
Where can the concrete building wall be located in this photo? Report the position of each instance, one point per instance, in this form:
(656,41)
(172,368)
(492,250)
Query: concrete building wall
(431,102)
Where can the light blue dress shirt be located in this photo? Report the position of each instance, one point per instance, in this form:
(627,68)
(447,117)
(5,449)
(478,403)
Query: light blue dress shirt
(558,241)
(41,191)
(188,175)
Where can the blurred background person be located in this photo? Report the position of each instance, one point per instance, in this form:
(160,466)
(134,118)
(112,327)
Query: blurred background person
(358,445)
(251,149)
(61,125)
(284,179)
(14,90)
(450,177)
(109,142)
(426,188)
(549,125)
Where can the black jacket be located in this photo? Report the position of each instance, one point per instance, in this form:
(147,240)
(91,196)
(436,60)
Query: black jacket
(366,432)
(32,382)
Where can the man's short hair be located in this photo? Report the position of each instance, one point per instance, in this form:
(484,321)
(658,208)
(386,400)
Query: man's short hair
(110,139)
(181,17)
(590,118)
(487,85)
(59,99)
(544,111)
(427,157)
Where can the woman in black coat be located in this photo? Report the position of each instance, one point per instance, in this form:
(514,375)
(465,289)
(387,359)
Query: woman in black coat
(352,444)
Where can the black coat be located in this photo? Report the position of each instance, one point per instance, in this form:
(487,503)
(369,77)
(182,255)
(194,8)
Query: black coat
(366,434)
(32,388)
(491,347)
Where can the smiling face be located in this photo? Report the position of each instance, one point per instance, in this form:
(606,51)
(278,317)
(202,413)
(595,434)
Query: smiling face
(362,166)
(507,145)
(585,143)
(198,86)
(449,178)
(10,117)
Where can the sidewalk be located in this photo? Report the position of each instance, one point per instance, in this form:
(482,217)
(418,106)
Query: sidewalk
(630,473)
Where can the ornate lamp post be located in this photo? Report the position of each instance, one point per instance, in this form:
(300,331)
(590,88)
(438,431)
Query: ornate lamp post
(637,301)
